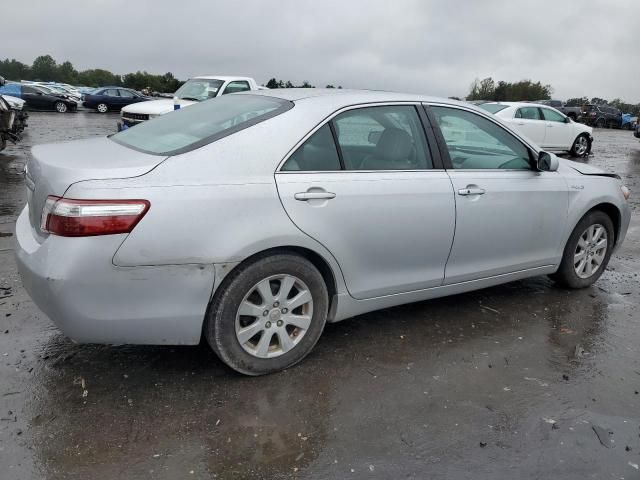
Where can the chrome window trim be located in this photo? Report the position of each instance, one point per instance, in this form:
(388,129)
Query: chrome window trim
(491,118)
(328,118)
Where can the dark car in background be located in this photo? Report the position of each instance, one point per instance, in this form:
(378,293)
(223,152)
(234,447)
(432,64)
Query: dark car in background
(602,116)
(574,113)
(40,98)
(111,98)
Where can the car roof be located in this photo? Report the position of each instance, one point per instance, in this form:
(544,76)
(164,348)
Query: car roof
(522,104)
(339,97)
(221,77)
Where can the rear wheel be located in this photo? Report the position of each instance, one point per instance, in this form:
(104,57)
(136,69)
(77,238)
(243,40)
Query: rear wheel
(587,252)
(103,108)
(600,123)
(268,314)
(580,146)
(60,107)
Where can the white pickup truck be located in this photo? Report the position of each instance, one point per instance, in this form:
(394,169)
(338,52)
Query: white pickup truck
(194,90)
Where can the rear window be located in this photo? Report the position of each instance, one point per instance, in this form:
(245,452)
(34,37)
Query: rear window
(492,107)
(198,125)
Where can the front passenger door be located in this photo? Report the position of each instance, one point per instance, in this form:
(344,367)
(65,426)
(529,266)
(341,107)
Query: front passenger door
(531,124)
(509,217)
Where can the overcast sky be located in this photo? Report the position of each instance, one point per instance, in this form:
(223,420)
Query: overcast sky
(580,47)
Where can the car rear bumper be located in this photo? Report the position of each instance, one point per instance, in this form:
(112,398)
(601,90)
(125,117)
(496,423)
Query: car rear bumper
(75,283)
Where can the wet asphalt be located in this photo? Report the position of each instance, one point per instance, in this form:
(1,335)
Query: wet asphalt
(521,381)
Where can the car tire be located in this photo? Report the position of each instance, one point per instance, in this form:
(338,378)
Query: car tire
(263,341)
(570,273)
(3,143)
(600,123)
(581,146)
(102,108)
(60,107)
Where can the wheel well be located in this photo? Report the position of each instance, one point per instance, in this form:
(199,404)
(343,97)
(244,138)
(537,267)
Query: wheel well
(317,260)
(613,213)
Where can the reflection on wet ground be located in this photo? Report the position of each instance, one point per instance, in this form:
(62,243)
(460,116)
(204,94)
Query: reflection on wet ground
(525,380)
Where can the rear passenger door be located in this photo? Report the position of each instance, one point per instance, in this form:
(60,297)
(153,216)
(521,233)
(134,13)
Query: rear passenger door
(367,185)
(529,121)
(111,98)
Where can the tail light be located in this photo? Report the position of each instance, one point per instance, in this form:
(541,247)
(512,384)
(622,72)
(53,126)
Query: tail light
(68,217)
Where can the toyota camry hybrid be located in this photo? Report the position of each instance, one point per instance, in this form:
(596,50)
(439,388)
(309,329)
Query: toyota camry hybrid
(251,220)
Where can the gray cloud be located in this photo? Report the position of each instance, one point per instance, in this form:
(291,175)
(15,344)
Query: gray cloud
(586,47)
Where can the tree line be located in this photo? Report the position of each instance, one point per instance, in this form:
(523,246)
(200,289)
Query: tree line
(275,83)
(488,89)
(45,69)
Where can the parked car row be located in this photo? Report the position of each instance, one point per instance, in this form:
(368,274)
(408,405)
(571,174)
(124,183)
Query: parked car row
(13,118)
(602,116)
(40,97)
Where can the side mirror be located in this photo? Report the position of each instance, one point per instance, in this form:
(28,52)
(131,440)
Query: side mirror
(567,119)
(547,162)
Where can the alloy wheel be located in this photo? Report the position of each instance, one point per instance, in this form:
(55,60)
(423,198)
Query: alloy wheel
(582,145)
(591,251)
(274,316)
(61,107)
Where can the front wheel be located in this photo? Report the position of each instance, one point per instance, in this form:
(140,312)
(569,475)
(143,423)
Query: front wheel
(103,108)
(268,315)
(581,146)
(60,107)
(587,252)
(600,123)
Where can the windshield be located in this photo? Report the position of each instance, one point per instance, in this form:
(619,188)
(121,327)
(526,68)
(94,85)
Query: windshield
(190,128)
(199,89)
(493,107)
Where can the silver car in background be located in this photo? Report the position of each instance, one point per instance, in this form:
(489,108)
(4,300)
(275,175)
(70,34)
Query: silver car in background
(252,219)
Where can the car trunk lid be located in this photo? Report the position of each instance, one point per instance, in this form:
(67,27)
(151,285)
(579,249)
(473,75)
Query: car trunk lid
(53,168)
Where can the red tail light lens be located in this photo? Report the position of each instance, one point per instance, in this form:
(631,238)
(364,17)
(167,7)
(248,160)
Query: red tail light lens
(68,217)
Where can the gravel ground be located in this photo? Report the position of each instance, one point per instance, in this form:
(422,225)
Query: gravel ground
(524,380)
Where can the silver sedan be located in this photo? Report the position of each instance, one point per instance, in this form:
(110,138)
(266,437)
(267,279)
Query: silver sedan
(253,219)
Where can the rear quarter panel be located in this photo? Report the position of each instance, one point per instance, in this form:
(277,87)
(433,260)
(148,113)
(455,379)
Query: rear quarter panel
(217,204)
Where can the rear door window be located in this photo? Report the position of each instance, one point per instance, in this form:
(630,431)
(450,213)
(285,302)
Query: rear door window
(528,113)
(318,153)
(382,138)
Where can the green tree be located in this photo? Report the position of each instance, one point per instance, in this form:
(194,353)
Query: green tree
(44,68)
(98,78)
(487,89)
(67,74)
(14,70)
(482,89)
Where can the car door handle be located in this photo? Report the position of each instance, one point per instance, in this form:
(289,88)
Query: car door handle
(520,123)
(471,191)
(305,196)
